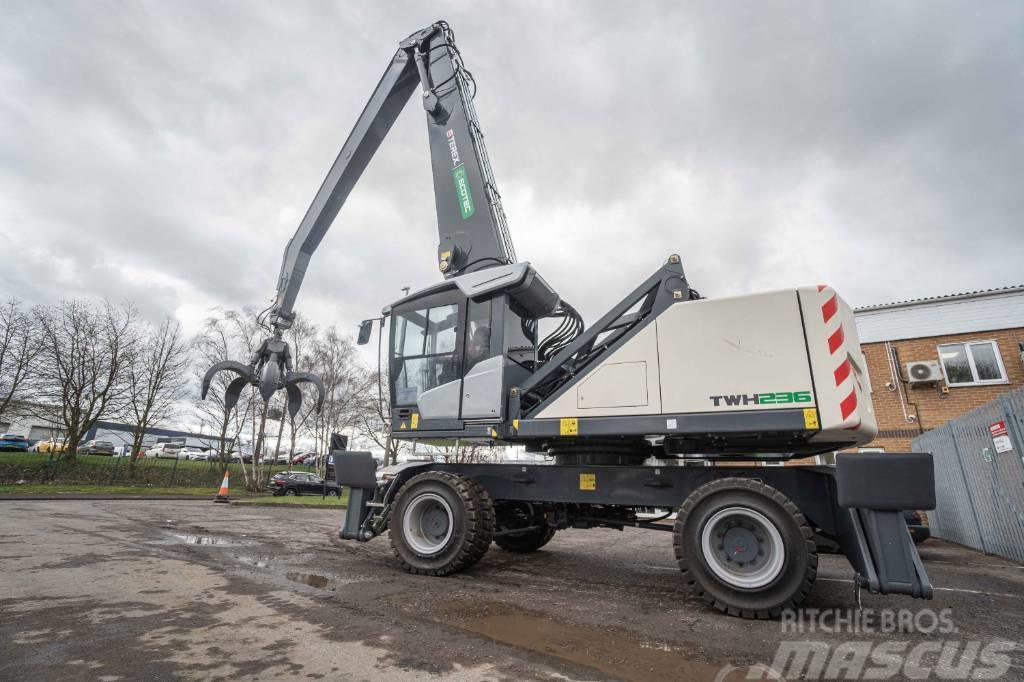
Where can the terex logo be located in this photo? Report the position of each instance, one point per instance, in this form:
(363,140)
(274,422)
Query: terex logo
(781,398)
(453,148)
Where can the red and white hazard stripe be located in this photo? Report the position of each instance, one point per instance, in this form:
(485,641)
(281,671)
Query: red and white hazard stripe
(843,373)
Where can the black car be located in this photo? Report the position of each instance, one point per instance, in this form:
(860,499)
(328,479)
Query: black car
(302,483)
(919,532)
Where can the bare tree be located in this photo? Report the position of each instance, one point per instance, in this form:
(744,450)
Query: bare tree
(225,336)
(19,350)
(85,351)
(346,382)
(156,378)
(373,419)
(466,453)
(302,338)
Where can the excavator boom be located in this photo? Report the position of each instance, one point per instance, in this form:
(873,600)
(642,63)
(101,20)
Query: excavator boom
(473,233)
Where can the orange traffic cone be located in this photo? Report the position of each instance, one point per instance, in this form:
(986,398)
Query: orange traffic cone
(222,496)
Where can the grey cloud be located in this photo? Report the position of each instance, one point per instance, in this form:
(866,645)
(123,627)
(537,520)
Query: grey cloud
(873,146)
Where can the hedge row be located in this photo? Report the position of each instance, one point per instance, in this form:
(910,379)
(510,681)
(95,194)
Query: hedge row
(101,470)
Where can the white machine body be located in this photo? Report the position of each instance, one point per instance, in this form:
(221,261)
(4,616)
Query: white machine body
(795,348)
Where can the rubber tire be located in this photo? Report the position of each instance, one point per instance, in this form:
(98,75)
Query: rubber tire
(332,493)
(527,542)
(473,517)
(799,571)
(291,492)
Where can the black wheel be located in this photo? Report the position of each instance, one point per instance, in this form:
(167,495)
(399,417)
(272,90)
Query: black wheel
(332,492)
(290,491)
(745,548)
(512,515)
(441,523)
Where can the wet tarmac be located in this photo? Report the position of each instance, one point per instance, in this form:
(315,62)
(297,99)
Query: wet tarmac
(112,590)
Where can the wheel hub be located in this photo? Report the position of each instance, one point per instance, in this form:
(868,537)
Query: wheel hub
(743,548)
(428,524)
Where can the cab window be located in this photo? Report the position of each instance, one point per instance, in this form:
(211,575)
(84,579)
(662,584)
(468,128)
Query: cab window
(424,346)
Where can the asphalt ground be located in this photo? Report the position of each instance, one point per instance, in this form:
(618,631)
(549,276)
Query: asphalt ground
(130,589)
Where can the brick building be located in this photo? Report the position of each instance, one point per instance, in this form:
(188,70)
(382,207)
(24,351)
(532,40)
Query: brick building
(970,348)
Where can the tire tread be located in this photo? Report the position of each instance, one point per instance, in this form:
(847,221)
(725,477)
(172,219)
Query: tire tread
(761,488)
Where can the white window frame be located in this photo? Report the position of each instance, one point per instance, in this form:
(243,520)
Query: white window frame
(970,361)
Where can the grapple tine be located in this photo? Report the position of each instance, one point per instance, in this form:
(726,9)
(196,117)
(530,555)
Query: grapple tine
(297,377)
(294,399)
(244,371)
(233,392)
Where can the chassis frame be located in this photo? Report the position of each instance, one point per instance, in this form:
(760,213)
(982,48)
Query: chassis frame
(858,504)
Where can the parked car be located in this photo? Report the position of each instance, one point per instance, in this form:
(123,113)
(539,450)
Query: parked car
(97,447)
(301,483)
(919,532)
(164,451)
(51,445)
(192,453)
(12,442)
(300,458)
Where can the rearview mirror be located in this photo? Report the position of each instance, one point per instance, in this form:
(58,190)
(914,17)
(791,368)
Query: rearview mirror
(365,330)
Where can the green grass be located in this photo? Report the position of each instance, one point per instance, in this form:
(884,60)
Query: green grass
(61,489)
(303,500)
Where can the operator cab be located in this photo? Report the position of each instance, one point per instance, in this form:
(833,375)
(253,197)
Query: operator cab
(458,346)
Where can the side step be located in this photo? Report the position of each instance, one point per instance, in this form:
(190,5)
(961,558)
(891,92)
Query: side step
(874,488)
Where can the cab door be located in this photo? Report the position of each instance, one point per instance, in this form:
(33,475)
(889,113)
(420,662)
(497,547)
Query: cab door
(426,355)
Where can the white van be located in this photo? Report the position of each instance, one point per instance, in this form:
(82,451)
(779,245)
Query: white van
(164,451)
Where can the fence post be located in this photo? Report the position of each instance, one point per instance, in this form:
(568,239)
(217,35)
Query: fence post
(113,470)
(174,470)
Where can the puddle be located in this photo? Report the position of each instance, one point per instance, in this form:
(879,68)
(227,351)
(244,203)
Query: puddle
(190,539)
(257,561)
(321,582)
(609,650)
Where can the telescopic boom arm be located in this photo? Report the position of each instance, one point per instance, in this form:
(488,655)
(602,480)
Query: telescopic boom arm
(470,220)
(471,235)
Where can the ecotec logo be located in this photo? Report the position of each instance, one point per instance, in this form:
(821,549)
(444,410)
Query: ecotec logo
(780,398)
(462,191)
(454,149)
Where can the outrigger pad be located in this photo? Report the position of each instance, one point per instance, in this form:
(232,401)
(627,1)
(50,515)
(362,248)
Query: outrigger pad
(885,480)
(355,469)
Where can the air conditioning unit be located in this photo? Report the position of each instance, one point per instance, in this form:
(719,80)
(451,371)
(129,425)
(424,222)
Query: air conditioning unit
(924,371)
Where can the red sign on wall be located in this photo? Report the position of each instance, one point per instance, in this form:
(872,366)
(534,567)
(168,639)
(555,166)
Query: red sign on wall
(1000,436)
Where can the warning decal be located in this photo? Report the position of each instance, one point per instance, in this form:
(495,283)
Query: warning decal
(568,426)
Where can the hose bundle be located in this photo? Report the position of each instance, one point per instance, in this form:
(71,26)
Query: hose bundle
(568,329)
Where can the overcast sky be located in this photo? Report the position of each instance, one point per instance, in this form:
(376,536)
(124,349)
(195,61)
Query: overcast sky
(165,152)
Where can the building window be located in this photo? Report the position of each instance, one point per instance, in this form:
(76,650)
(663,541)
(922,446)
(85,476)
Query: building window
(969,364)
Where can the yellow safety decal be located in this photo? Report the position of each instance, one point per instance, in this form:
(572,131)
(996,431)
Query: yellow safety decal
(569,426)
(811,418)
(588,481)
(401,427)
(515,424)
(415,419)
